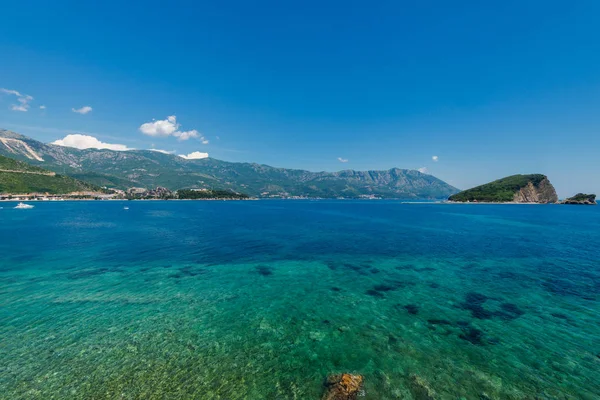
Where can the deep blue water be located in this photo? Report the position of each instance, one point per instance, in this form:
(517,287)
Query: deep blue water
(264,299)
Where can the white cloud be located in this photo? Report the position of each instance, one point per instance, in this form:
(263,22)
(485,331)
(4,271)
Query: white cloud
(82,110)
(165,127)
(170,127)
(23,100)
(42,107)
(186,134)
(423,170)
(435,158)
(88,142)
(163,151)
(196,155)
(344,160)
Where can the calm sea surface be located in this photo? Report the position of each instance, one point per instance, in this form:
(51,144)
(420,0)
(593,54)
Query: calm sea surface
(264,299)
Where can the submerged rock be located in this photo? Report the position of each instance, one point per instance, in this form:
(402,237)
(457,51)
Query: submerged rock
(343,387)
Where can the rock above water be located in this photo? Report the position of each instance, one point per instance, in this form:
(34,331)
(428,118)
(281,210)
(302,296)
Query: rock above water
(342,387)
(581,198)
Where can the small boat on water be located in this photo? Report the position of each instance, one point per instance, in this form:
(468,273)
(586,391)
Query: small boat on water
(125,208)
(23,206)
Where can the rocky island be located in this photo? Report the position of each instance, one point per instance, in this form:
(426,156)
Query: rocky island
(533,188)
(581,199)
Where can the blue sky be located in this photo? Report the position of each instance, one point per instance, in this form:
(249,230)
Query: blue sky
(491,88)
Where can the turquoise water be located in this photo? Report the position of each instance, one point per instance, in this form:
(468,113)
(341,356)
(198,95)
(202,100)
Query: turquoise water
(264,299)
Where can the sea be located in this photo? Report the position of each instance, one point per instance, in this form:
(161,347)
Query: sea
(265,299)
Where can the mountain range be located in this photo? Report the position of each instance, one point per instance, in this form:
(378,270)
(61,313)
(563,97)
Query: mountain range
(147,168)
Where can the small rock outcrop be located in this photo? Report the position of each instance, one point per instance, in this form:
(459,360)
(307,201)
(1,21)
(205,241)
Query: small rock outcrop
(343,387)
(581,199)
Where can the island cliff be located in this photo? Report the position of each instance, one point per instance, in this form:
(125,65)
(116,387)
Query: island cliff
(534,188)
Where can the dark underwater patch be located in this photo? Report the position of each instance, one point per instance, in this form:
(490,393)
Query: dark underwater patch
(381,288)
(560,286)
(335,289)
(332,265)
(191,271)
(87,273)
(475,298)
(375,293)
(362,269)
(564,287)
(412,309)
(384,287)
(509,311)
(264,270)
(188,271)
(515,276)
(473,335)
(560,315)
(474,303)
(439,322)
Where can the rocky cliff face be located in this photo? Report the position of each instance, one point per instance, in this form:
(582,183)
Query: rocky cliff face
(543,192)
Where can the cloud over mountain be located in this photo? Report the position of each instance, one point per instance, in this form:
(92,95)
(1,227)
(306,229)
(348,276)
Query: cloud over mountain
(79,141)
(196,155)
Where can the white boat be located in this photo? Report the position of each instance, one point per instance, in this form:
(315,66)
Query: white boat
(125,208)
(23,206)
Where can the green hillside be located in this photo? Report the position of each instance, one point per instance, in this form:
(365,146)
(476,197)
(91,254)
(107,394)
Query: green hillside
(17,177)
(501,190)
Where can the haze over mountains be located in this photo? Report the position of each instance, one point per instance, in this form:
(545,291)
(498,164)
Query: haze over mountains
(146,168)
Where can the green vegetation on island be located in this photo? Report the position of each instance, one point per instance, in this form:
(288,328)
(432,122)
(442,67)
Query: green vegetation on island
(17,177)
(533,188)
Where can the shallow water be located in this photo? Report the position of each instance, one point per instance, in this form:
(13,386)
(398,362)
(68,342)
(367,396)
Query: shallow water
(264,299)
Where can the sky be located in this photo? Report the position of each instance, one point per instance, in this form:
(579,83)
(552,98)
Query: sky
(467,91)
